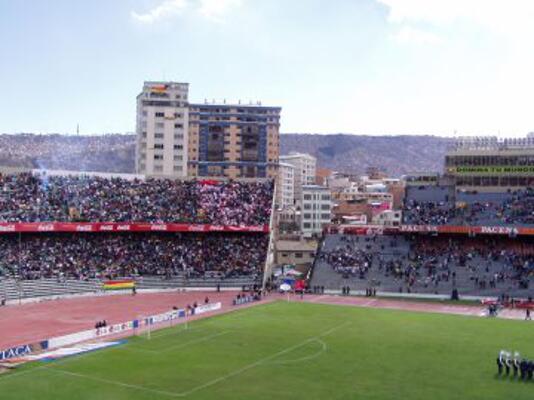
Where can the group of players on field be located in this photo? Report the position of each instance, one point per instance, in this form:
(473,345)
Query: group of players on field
(516,363)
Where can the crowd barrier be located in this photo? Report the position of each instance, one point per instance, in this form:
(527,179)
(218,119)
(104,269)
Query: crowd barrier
(244,300)
(20,351)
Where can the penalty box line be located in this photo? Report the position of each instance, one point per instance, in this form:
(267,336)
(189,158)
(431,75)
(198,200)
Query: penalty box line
(176,346)
(263,360)
(195,389)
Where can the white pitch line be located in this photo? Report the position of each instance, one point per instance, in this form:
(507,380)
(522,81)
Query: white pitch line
(259,362)
(111,382)
(304,358)
(180,345)
(18,373)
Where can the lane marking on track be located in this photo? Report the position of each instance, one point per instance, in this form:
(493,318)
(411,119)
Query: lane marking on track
(319,298)
(261,361)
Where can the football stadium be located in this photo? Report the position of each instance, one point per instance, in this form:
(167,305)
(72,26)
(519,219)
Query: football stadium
(266,200)
(128,287)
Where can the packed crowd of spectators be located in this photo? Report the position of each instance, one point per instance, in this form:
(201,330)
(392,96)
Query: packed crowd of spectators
(27,197)
(84,256)
(515,209)
(103,153)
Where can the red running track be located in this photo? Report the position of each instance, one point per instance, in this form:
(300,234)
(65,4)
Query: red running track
(29,323)
(417,306)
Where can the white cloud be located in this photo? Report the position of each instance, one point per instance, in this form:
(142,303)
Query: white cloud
(507,17)
(409,35)
(214,10)
(166,9)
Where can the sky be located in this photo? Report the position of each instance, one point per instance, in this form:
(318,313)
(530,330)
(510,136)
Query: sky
(443,67)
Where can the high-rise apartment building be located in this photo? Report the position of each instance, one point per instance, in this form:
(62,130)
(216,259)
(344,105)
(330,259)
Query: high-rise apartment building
(175,138)
(233,140)
(285,190)
(316,209)
(162,129)
(305,168)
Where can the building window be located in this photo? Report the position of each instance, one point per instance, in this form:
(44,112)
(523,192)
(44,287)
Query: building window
(158,156)
(178,147)
(158,135)
(298,255)
(178,126)
(158,146)
(178,158)
(159,115)
(160,125)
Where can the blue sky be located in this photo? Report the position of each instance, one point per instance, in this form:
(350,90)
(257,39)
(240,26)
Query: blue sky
(353,66)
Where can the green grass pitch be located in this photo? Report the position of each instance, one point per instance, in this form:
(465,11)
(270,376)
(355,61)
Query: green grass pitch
(293,351)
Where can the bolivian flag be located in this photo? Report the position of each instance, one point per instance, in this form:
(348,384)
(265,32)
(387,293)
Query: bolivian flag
(118,285)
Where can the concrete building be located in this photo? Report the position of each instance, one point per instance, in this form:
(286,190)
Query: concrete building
(316,209)
(490,164)
(285,186)
(162,129)
(305,168)
(295,252)
(233,140)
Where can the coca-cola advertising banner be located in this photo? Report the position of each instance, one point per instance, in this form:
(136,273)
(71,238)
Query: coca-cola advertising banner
(122,227)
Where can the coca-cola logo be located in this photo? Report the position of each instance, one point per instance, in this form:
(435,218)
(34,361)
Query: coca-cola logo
(216,228)
(106,227)
(7,228)
(123,227)
(84,228)
(45,227)
(160,227)
(195,228)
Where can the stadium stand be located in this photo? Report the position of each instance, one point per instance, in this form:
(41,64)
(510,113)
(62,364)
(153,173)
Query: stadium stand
(28,197)
(85,256)
(40,260)
(440,205)
(426,264)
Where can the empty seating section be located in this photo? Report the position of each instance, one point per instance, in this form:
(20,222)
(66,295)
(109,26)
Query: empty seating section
(426,264)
